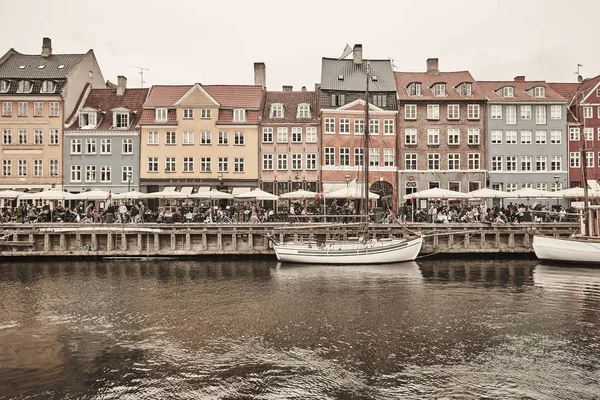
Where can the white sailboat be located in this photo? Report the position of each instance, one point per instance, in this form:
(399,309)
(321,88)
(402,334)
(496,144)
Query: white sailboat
(357,250)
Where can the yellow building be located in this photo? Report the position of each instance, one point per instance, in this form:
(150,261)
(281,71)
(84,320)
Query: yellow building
(38,92)
(196,137)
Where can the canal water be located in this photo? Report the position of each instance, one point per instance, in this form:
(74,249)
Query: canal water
(166,329)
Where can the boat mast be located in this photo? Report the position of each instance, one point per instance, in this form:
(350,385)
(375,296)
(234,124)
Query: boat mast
(366,156)
(586,210)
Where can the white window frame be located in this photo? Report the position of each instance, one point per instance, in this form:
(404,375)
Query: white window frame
(91,146)
(344,126)
(453,137)
(410,136)
(54,109)
(223,139)
(496,136)
(512,136)
(161,115)
(556,111)
(188,164)
(205,164)
(187,138)
(282,162)
(276,111)
(433,111)
(127,146)
(105,173)
(453,161)
(282,134)
(329,126)
(473,161)
(239,115)
(267,162)
(205,113)
(473,112)
(540,115)
(311,134)
(496,111)
(511,115)
(297,134)
(75,146)
(526,112)
(188,113)
(311,161)
(526,136)
(411,161)
(303,111)
(153,138)
(541,137)
(410,111)
(105,146)
(267,135)
(239,138)
(153,164)
(474,137)
(433,137)
(433,162)
(205,138)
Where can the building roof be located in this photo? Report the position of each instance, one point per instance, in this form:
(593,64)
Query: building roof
(290,102)
(236,96)
(520,96)
(26,66)
(354,76)
(165,95)
(565,89)
(226,117)
(105,100)
(427,80)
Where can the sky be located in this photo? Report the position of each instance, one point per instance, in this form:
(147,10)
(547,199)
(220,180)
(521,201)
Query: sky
(184,42)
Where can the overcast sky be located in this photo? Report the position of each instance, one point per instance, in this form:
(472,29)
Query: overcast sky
(217,42)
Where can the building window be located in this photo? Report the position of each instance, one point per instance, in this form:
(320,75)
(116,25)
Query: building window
(496,137)
(22,109)
(539,91)
(555,137)
(267,162)
(473,161)
(205,164)
(6,136)
(205,137)
(388,157)
(329,156)
(127,146)
(22,136)
(473,111)
(453,111)
(439,90)
(540,137)
(453,161)
(296,161)
(205,113)
(188,113)
(276,111)
(152,164)
(311,135)
(4,86)
(410,111)
(238,164)
(90,146)
(410,136)
(311,161)
(188,164)
(344,156)
(224,138)
(303,111)
(374,157)
(126,173)
(555,112)
(465,89)
(48,87)
(24,87)
(282,135)
(453,137)
(170,138)
(170,164)
(344,126)
(38,136)
(433,161)
(188,137)
(105,146)
(508,91)
(267,136)
(282,162)
(75,146)
(388,126)
(239,115)
(54,109)
(589,156)
(329,125)
(6,167)
(473,137)
(358,156)
(414,89)
(540,163)
(574,134)
(90,173)
(359,126)
(223,164)
(239,138)
(338,100)
(526,112)
(526,137)
(541,186)
(105,173)
(526,163)
(433,111)
(153,137)
(574,159)
(410,161)
(7,109)
(53,168)
(496,163)
(540,115)
(511,163)
(373,127)
(380,100)
(122,120)
(161,115)
(297,135)
(38,169)
(87,120)
(38,109)
(555,163)
(433,137)
(511,137)
(496,111)
(75,173)
(511,115)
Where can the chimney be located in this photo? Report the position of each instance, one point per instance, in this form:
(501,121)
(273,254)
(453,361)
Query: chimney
(260,74)
(287,88)
(121,85)
(317,87)
(46,47)
(432,66)
(304,88)
(357,54)
(520,78)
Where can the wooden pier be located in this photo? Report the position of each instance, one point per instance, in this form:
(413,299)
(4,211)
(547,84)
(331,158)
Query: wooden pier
(211,240)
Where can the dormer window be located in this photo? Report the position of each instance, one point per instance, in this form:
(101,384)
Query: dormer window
(508,91)
(239,115)
(121,120)
(341,77)
(303,111)
(4,86)
(48,87)
(161,114)
(24,87)
(466,89)
(539,91)
(87,120)
(414,89)
(276,111)
(439,89)
(374,77)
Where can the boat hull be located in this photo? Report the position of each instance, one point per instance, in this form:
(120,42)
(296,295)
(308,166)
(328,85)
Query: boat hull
(575,250)
(372,252)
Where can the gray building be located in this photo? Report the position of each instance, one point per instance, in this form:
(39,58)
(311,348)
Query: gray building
(526,142)
(102,140)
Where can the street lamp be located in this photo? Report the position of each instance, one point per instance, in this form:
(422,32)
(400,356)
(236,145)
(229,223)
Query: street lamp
(129,176)
(347,180)
(556,182)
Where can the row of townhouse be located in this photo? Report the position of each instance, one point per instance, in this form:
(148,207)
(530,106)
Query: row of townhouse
(63,126)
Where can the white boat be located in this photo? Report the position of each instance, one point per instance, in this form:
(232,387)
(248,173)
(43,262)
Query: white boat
(575,249)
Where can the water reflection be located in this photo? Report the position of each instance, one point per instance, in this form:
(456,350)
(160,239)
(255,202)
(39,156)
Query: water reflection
(198,329)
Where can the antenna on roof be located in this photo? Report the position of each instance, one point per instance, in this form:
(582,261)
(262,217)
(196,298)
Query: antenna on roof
(579,77)
(141,72)
(393,64)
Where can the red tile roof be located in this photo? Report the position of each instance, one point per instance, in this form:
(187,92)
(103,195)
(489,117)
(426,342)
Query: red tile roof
(290,101)
(165,95)
(104,100)
(149,118)
(490,87)
(451,79)
(226,117)
(565,89)
(236,96)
